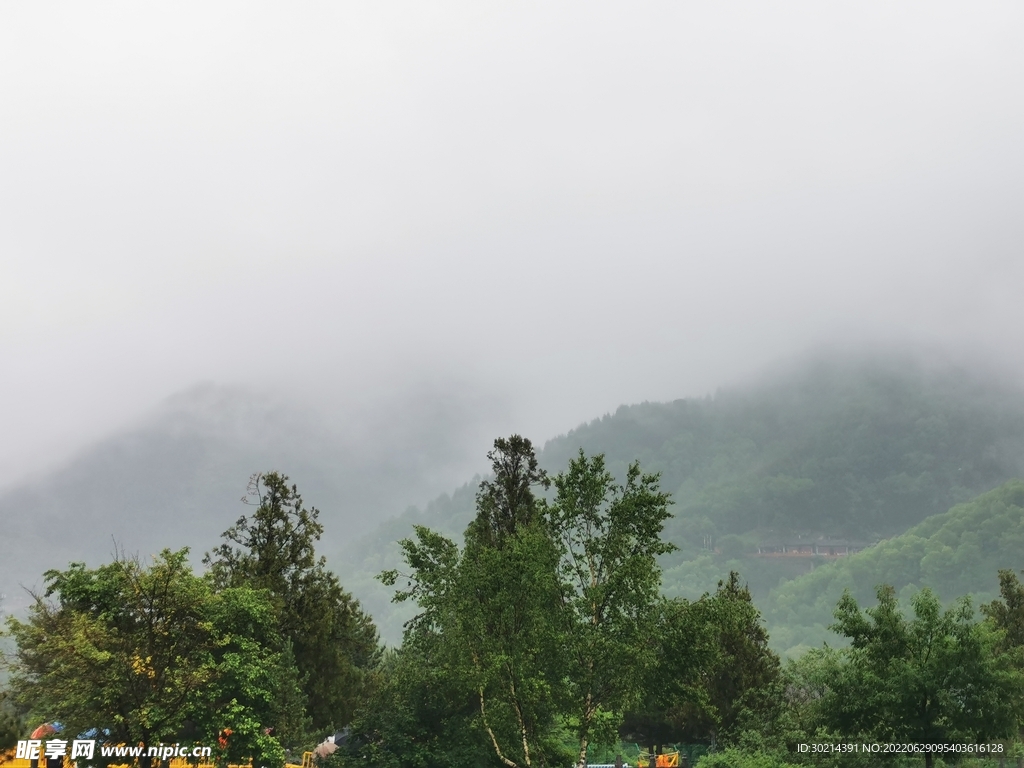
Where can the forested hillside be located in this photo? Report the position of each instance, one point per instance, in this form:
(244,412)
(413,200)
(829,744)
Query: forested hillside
(857,450)
(774,486)
(955,553)
(860,450)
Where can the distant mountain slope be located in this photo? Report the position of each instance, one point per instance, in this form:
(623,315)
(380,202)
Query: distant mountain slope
(855,449)
(176,479)
(860,449)
(955,553)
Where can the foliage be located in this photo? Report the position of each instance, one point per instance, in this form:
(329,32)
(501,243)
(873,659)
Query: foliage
(856,448)
(741,679)
(673,688)
(807,684)
(503,609)
(954,553)
(487,610)
(333,641)
(1008,613)
(507,503)
(608,538)
(420,714)
(124,647)
(541,613)
(861,449)
(257,684)
(936,678)
(715,675)
(151,654)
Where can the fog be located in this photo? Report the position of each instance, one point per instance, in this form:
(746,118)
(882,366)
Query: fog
(532,213)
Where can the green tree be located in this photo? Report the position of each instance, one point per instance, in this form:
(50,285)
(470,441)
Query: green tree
(421,713)
(333,641)
(715,677)
(545,611)
(608,538)
(505,598)
(935,678)
(674,689)
(807,684)
(744,673)
(145,651)
(256,686)
(507,504)
(487,611)
(1007,613)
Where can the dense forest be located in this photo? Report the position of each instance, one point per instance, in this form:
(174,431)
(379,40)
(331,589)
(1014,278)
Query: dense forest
(825,558)
(543,639)
(860,451)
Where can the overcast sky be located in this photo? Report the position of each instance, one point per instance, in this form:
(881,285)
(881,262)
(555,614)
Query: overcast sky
(552,207)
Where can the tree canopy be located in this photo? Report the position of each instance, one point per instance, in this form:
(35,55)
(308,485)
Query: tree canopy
(334,643)
(608,538)
(543,638)
(714,674)
(861,451)
(487,609)
(543,611)
(936,678)
(153,654)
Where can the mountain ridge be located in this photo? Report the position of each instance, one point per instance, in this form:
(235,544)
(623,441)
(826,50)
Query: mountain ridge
(860,449)
(175,478)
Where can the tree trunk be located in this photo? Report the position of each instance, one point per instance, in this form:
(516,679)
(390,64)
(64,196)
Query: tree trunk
(494,739)
(581,762)
(588,716)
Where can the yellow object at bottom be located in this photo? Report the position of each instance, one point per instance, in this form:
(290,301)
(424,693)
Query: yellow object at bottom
(666,760)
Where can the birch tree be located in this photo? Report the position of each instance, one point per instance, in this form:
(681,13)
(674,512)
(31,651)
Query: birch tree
(608,538)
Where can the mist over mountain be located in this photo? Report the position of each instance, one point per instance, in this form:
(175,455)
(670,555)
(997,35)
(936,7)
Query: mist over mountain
(767,250)
(176,478)
(860,448)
